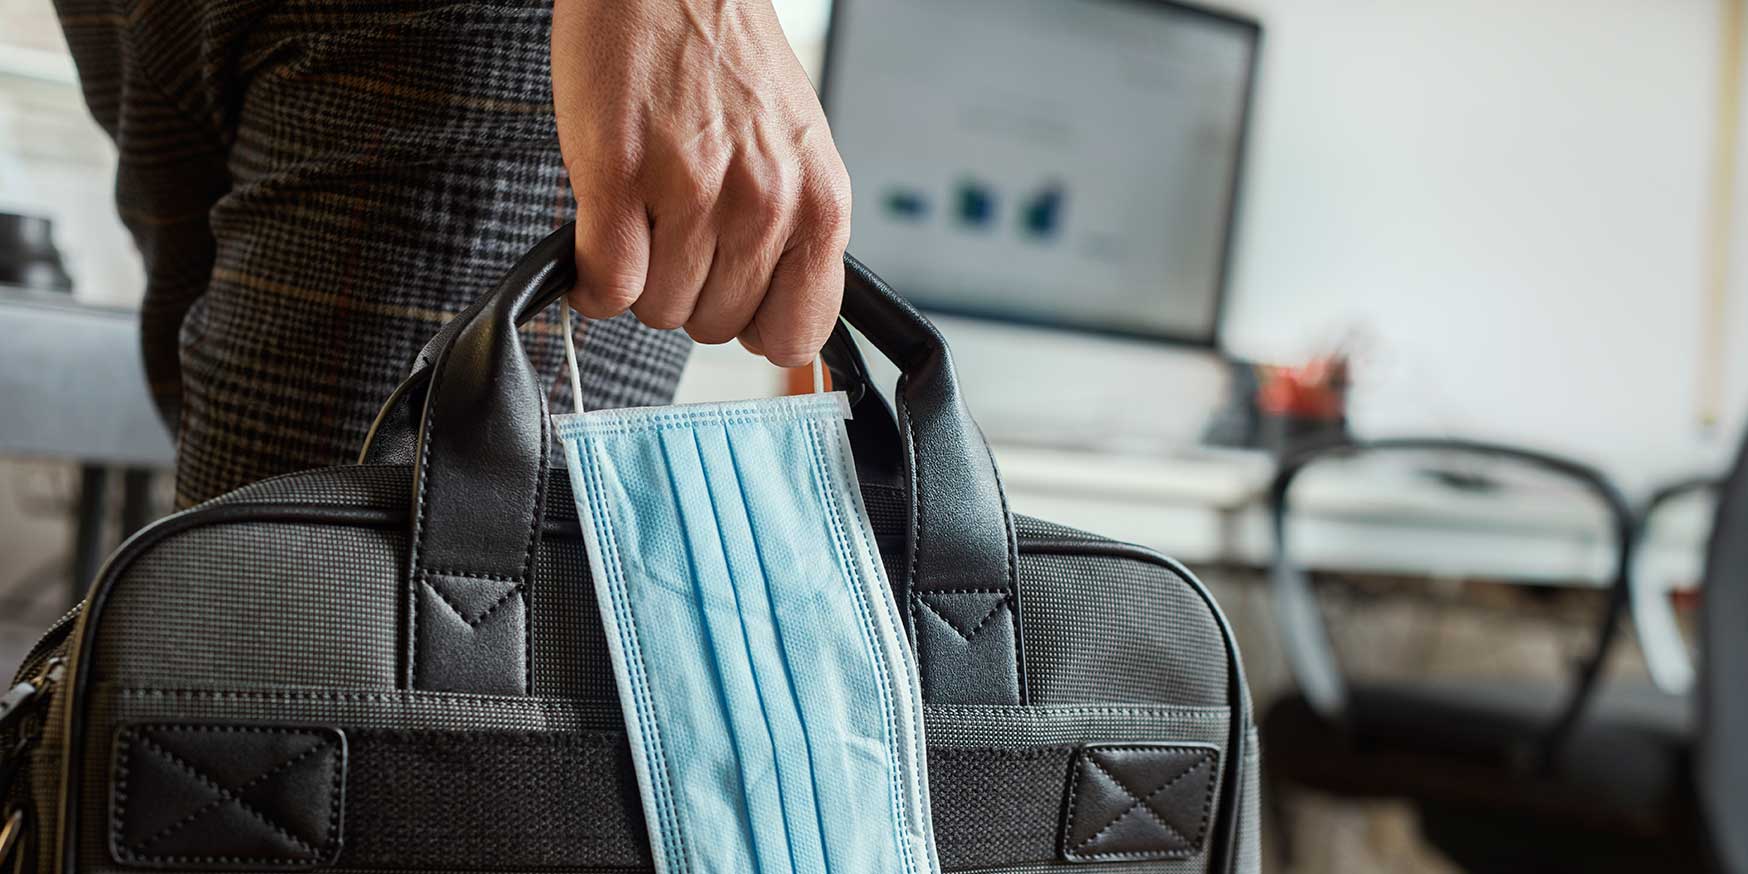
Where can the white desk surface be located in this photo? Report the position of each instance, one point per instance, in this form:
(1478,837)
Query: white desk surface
(1208,506)
(72,385)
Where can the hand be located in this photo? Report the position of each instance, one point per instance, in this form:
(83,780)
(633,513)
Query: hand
(709,193)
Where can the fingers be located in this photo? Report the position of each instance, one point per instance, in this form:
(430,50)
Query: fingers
(749,246)
(807,288)
(749,340)
(652,258)
(612,251)
(799,311)
(682,247)
(758,210)
(732,293)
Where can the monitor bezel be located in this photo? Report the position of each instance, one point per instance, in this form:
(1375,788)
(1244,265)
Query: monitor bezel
(1223,276)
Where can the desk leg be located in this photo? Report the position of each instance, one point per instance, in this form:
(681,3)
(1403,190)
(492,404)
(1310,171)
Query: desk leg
(136,500)
(92,511)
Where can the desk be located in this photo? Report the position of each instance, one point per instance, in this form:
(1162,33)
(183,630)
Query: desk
(72,387)
(1208,506)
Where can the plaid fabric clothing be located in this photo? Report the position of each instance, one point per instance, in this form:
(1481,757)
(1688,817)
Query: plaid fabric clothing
(316,185)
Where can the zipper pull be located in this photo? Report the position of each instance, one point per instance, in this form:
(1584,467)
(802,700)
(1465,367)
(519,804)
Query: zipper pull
(15,703)
(12,836)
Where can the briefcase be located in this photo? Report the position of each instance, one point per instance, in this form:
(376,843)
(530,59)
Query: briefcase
(398,665)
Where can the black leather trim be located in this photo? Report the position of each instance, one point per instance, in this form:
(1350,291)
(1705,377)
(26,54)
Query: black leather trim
(1139,801)
(873,430)
(227,796)
(472,634)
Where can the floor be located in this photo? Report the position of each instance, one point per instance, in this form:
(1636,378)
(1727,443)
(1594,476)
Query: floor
(1406,628)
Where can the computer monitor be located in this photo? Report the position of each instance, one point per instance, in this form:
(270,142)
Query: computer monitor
(1065,163)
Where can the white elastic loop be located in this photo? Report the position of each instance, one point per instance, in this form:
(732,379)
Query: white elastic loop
(818,375)
(570,356)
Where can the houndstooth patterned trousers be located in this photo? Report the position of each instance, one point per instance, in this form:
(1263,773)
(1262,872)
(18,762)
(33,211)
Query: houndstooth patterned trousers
(316,185)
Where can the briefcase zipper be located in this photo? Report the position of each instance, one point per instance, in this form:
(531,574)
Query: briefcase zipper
(21,724)
(21,727)
(46,643)
(24,698)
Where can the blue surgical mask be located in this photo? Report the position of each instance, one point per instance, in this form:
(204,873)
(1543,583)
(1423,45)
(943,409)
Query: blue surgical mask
(769,692)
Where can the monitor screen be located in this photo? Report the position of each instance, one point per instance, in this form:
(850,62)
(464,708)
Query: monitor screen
(1070,163)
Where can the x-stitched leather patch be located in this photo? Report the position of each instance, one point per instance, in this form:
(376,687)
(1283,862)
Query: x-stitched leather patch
(226,796)
(1139,801)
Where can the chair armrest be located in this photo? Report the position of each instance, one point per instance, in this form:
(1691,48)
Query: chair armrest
(1305,639)
(1666,653)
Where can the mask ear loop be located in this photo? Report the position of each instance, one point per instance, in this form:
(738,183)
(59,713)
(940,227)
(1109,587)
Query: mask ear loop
(570,357)
(570,361)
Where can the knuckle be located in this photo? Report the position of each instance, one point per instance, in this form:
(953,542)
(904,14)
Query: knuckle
(761,201)
(767,212)
(782,185)
(697,199)
(690,189)
(602,176)
(830,212)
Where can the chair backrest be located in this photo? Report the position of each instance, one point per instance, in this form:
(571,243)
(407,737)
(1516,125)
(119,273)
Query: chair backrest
(1722,755)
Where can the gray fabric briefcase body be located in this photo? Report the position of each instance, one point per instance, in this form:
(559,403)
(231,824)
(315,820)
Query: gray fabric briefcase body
(398,665)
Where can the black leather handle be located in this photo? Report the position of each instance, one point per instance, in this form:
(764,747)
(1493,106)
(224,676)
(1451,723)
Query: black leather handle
(393,436)
(479,442)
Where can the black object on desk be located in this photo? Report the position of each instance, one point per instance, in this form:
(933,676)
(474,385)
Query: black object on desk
(28,257)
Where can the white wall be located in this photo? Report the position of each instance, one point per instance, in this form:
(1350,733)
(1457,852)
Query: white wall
(1504,200)
(1508,198)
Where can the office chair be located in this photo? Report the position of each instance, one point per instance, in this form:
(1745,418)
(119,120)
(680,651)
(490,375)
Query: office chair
(1668,656)
(1721,744)
(1506,777)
